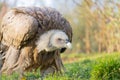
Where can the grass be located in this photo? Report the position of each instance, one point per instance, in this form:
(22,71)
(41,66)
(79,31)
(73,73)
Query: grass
(83,67)
(107,68)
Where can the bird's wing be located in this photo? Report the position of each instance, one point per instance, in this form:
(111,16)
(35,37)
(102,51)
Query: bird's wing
(20,23)
(48,19)
(17,28)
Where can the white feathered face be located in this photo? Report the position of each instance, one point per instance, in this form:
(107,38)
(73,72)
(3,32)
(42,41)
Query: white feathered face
(60,40)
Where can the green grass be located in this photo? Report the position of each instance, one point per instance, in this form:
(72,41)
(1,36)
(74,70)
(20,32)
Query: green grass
(107,68)
(83,67)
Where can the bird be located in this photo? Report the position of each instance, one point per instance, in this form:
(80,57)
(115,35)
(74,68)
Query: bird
(34,37)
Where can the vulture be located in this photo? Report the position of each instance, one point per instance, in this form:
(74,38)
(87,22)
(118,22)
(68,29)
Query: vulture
(32,38)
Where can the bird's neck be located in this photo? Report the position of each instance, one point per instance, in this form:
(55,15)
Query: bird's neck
(44,42)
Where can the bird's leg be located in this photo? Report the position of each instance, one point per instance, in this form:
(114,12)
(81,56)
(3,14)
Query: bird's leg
(47,71)
(11,58)
(23,61)
(19,66)
(56,66)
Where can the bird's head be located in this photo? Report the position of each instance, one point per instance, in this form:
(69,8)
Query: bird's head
(59,40)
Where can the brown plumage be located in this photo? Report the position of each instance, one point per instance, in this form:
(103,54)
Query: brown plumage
(20,29)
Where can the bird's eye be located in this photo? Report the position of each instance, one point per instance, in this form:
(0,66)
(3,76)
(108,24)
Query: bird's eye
(59,39)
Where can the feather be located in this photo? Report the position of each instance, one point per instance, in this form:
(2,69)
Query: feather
(20,29)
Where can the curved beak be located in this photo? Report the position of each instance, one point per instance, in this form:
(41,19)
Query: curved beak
(69,45)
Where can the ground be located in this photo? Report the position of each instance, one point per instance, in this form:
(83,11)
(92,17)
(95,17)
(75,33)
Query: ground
(80,66)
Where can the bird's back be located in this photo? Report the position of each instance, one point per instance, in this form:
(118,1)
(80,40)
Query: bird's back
(17,28)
